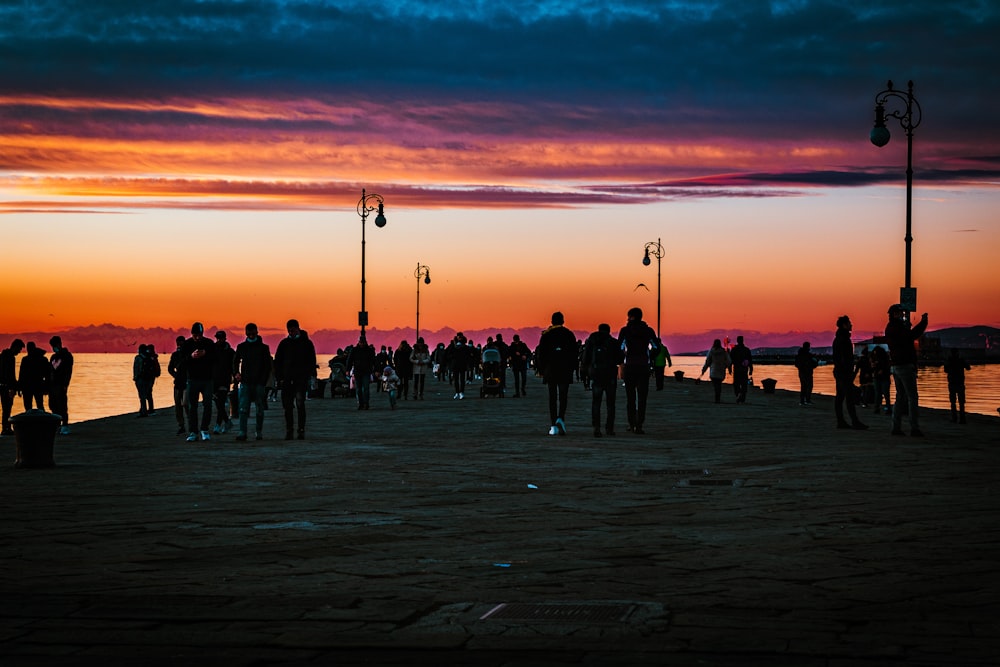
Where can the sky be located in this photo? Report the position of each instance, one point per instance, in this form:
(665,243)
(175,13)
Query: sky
(168,161)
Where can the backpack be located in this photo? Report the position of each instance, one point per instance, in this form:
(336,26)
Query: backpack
(150,368)
(605,354)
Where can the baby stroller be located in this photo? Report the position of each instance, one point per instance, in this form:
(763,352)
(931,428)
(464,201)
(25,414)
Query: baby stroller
(492,374)
(340,384)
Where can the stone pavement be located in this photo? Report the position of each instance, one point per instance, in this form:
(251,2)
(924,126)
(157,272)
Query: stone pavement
(460,532)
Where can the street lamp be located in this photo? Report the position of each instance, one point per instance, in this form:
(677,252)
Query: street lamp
(365,206)
(656,249)
(424,272)
(880,137)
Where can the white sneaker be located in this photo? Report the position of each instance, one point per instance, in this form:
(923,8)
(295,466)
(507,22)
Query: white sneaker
(192,436)
(455,396)
(561,426)
(461,395)
(553,431)
(205,435)
(217,429)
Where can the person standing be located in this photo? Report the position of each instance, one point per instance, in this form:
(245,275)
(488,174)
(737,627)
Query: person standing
(199,356)
(882,377)
(251,370)
(660,364)
(145,370)
(390,384)
(33,376)
(717,363)
(742,369)
(420,359)
(361,364)
(639,344)
(177,369)
(805,362)
(844,370)
(222,380)
(62,372)
(903,357)
(458,356)
(403,367)
(8,382)
(955,367)
(602,355)
(519,356)
(557,357)
(294,370)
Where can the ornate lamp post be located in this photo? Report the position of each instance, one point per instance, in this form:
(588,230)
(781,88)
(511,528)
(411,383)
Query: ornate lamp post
(366,206)
(424,272)
(655,248)
(909,117)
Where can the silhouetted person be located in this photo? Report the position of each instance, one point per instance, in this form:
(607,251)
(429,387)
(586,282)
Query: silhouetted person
(955,367)
(177,368)
(199,356)
(881,378)
(8,381)
(661,362)
(843,374)
(251,370)
(294,369)
(33,377)
(602,355)
(520,355)
(361,363)
(458,355)
(639,345)
(62,372)
(717,362)
(742,369)
(557,358)
(403,367)
(420,359)
(222,381)
(805,362)
(903,356)
(145,370)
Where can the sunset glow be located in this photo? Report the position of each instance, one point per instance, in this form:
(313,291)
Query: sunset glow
(178,167)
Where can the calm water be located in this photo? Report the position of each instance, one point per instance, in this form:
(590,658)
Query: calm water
(102,385)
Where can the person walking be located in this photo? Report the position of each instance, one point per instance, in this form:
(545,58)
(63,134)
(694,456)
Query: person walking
(177,368)
(199,357)
(520,354)
(805,363)
(602,354)
(639,345)
(361,364)
(557,357)
(742,369)
(294,370)
(145,370)
(955,367)
(844,370)
(8,382)
(222,380)
(403,367)
(252,366)
(903,358)
(33,376)
(62,372)
(390,385)
(717,363)
(420,359)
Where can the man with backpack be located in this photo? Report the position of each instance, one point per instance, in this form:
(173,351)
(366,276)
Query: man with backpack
(601,356)
(639,343)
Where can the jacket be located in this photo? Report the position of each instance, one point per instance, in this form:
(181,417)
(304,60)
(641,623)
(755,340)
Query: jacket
(557,354)
(252,362)
(638,342)
(295,360)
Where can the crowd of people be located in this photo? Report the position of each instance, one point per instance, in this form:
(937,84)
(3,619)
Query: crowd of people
(209,374)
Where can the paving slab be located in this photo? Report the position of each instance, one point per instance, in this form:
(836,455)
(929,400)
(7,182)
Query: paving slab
(753,534)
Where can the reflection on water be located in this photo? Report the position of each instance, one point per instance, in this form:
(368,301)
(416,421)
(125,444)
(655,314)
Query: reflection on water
(982,383)
(102,385)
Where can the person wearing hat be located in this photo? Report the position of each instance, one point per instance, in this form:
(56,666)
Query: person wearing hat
(390,383)
(199,355)
(903,357)
(62,372)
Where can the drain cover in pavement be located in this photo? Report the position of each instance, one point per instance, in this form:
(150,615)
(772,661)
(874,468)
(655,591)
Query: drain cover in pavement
(565,613)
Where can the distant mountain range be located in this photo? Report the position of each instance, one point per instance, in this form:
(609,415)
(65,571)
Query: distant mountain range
(114,338)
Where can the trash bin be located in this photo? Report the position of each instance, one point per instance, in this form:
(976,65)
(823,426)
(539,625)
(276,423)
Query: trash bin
(679,376)
(769,385)
(35,436)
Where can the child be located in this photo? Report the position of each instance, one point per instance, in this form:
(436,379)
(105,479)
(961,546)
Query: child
(390,384)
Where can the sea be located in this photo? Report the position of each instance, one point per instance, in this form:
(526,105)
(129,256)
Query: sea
(102,384)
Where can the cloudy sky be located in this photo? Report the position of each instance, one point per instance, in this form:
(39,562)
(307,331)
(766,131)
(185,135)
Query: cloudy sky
(176,160)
